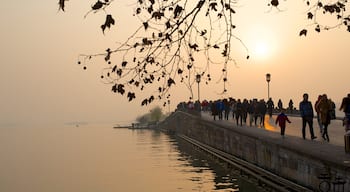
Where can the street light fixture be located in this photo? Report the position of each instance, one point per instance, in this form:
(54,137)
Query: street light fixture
(268,79)
(169,106)
(198,80)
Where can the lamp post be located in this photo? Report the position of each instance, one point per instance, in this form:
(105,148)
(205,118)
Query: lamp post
(268,79)
(198,80)
(168,106)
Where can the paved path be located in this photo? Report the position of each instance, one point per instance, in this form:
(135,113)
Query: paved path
(335,130)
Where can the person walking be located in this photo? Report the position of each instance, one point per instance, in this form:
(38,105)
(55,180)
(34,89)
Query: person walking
(214,109)
(239,110)
(307,115)
(281,120)
(325,107)
(220,107)
(345,107)
(262,109)
(227,108)
(318,113)
(251,111)
(280,104)
(291,106)
(270,106)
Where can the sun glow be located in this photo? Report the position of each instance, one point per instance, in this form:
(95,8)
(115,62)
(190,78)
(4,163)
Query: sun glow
(261,49)
(261,42)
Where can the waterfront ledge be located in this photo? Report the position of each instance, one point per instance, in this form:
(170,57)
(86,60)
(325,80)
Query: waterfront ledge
(305,162)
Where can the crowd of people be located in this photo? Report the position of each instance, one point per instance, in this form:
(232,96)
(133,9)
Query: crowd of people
(237,109)
(252,112)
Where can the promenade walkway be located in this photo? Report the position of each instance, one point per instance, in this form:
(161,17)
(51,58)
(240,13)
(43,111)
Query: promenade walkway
(336,130)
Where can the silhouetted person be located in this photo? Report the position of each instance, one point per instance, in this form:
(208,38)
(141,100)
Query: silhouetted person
(345,107)
(280,104)
(233,107)
(325,107)
(270,106)
(239,111)
(307,115)
(220,107)
(251,111)
(262,111)
(245,106)
(227,108)
(281,120)
(333,116)
(214,110)
(318,113)
(290,106)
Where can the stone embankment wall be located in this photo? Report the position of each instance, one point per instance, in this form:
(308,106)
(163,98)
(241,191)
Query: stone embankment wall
(287,158)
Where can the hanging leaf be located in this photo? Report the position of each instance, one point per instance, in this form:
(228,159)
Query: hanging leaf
(178,10)
(303,32)
(317,28)
(124,63)
(109,21)
(114,88)
(213,6)
(119,72)
(170,82)
(131,96)
(274,3)
(167,24)
(151,99)
(144,102)
(121,89)
(108,55)
(138,10)
(114,68)
(145,25)
(150,9)
(310,15)
(98,5)
(157,15)
(194,46)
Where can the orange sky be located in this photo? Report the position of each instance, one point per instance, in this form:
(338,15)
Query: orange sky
(41,82)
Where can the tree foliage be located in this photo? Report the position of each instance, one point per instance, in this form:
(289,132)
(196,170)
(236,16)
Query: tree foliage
(327,14)
(155,115)
(178,39)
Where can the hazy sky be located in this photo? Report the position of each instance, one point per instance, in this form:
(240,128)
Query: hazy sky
(42,83)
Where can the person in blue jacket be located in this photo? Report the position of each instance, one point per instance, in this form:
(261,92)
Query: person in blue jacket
(307,115)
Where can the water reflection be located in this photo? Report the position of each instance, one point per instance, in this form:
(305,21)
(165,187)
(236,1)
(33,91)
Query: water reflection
(211,170)
(98,158)
(195,166)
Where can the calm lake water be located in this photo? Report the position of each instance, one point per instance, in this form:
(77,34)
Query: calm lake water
(98,158)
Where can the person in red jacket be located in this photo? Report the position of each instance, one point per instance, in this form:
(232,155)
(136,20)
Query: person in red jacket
(281,120)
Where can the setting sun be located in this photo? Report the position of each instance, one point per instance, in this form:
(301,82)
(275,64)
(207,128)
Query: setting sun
(261,50)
